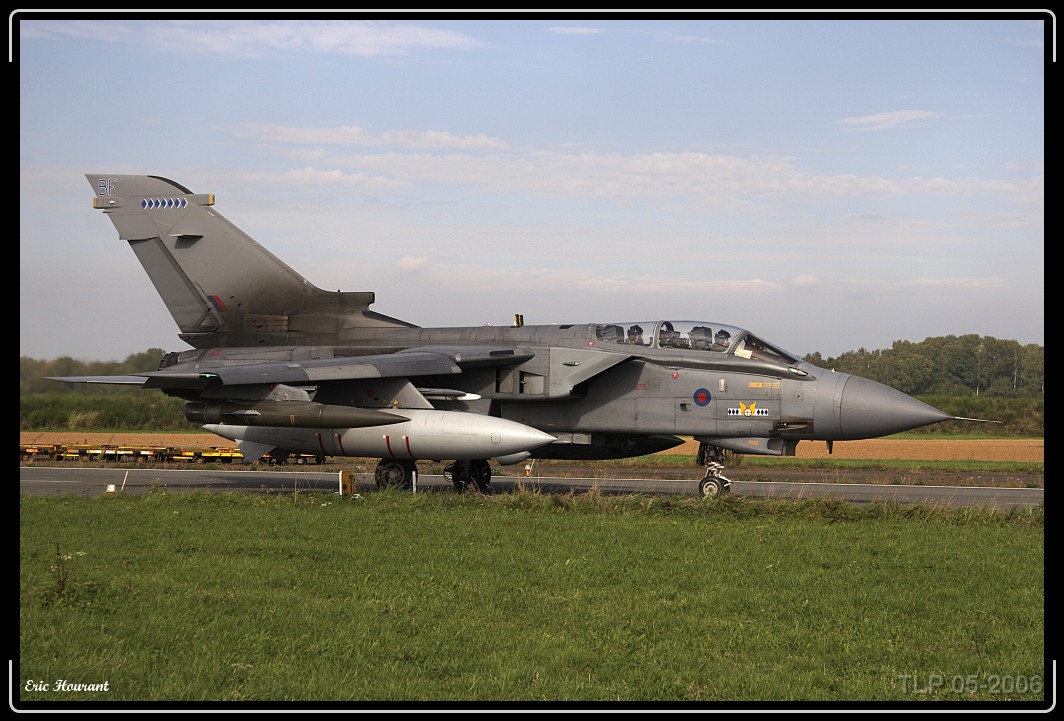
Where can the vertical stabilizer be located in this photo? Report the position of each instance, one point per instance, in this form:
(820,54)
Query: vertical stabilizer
(222,287)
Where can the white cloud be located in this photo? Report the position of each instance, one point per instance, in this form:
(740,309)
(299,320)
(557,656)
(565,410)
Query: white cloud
(560,281)
(889,121)
(955,282)
(562,30)
(409,263)
(242,38)
(712,179)
(355,135)
(804,281)
(717,183)
(322,178)
(675,38)
(974,283)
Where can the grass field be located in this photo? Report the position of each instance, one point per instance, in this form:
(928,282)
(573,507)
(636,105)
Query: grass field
(450,600)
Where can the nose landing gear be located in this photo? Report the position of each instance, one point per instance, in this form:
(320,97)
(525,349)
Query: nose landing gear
(714,483)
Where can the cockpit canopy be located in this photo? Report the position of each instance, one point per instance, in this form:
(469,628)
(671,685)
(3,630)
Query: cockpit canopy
(692,335)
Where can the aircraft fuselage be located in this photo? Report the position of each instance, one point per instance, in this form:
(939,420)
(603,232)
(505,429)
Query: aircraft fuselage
(620,398)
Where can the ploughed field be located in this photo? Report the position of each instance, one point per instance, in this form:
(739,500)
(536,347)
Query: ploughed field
(925,456)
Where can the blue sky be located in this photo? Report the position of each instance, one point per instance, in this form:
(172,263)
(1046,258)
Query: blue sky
(830,184)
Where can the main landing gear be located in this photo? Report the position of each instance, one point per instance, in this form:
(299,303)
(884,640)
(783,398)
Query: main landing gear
(399,473)
(464,473)
(395,473)
(714,483)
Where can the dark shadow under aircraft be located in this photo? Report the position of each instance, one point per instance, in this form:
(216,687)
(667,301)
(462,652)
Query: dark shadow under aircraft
(281,366)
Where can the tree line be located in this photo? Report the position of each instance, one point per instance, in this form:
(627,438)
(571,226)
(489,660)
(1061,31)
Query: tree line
(33,374)
(949,366)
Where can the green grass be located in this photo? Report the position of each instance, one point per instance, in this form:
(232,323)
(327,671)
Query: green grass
(525,597)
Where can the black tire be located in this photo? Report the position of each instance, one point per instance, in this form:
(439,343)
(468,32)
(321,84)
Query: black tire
(480,474)
(458,474)
(712,487)
(394,473)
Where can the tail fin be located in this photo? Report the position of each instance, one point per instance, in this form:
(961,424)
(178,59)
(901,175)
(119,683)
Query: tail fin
(222,287)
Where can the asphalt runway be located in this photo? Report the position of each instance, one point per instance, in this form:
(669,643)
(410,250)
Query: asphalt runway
(34,480)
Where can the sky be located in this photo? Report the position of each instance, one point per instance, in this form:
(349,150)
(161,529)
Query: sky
(828,183)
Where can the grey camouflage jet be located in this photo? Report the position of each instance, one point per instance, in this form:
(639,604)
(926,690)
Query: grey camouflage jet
(280,366)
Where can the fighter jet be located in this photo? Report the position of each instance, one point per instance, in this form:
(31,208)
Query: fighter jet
(281,366)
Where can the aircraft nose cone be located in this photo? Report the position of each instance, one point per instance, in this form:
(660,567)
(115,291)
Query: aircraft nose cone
(870,410)
(536,438)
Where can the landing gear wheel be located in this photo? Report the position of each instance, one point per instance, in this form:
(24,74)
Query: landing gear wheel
(458,474)
(713,458)
(713,486)
(462,473)
(393,473)
(480,474)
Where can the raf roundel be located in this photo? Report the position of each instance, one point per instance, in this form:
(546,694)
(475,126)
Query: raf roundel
(702,397)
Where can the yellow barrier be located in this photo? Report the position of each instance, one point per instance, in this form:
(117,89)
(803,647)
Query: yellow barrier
(347,483)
